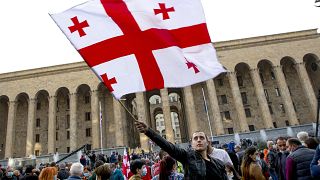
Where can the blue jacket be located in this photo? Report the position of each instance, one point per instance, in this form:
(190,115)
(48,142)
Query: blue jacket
(315,169)
(117,175)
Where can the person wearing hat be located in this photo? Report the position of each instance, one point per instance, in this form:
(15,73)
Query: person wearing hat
(29,175)
(63,173)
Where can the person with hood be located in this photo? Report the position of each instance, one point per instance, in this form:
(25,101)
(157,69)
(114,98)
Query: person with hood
(63,173)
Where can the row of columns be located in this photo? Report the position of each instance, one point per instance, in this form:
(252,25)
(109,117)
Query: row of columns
(142,111)
(95,118)
(236,95)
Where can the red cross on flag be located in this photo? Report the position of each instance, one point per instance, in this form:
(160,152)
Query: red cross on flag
(141,45)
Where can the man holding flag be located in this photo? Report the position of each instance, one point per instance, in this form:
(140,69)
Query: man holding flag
(141,45)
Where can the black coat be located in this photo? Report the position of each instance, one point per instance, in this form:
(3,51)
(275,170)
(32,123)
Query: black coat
(193,163)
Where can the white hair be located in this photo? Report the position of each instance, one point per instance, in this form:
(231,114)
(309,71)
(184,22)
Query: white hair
(76,169)
(302,136)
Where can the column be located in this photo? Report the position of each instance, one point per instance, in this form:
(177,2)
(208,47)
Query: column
(190,111)
(217,125)
(285,94)
(307,88)
(142,116)
(238,102)
(263,104)
(52,124)
(73,121)
(95,114)
(119,133)
(30,128)
(10,128)
(167,114)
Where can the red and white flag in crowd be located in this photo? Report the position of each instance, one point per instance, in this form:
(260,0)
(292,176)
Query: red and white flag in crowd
(125,163)
(141,45)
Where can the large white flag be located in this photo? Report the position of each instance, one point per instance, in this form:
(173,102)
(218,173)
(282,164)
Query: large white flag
(140,45)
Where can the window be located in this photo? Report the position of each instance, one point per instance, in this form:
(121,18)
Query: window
(277,92)
(224,99)
(230,130)
(266,94)
(220,82)
(157,124)
(86,99)
(227,115)
(57,107)
(248,112)
(89,147)
(275,124)
(270,109)
(56,149)
(88,116)
(38,122)
(68,134)
(57,123)
(68,122)
(157,101)
(244,98)
(273,77)
(282,108)
(240,81)
(37,138)
(57,136)
(251,128)
(68,103)
(262,78)
(68,149)
(287,123)
(37,152)
(162,123)
(88,132)
(38,105)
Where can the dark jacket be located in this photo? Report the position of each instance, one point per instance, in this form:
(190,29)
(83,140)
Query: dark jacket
(281,165)
(272,159)
(298,164)
(74,178)
(315,168)
(193,163)
(30,177)
(117,175)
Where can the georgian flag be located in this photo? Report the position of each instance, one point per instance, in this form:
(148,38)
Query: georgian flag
(141,45)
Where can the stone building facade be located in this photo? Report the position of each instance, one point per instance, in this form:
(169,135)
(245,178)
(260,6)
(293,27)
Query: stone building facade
(272,81)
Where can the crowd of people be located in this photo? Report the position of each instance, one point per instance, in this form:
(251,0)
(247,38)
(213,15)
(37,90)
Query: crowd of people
(285,158)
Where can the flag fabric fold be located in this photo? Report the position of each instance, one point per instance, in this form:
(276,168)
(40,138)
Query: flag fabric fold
(141,45)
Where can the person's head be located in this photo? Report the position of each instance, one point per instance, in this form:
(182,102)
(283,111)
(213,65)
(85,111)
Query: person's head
(98,163)
(167,165)
(103,172)
(250,156)
(76,169)
(199,141)
(162,154)
(29,169)
(48,173)
(62,166)
(302,136)
(237,148)
(16,173)
(281,144)
(270,145)
(225,147)
(293,144)
(136,167)
(311,143)
(9,172)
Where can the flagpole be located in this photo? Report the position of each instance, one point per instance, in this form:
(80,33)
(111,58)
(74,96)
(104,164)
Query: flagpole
(100,122)
(206,109)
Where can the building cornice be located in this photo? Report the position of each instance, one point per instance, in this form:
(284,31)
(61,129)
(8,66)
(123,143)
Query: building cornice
(266,40)
(220,46)
(44,71)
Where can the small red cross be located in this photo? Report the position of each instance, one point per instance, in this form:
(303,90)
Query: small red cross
(165,11)
(192,65)
(108,82)
(78,26)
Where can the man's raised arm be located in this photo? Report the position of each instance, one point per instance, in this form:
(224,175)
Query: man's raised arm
(177,153)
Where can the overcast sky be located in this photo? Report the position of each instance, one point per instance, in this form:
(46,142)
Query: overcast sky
(30,39)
